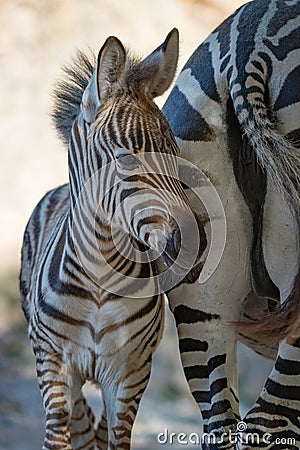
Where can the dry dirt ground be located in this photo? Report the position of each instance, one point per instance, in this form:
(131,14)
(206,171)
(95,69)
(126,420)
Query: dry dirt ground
(36,37)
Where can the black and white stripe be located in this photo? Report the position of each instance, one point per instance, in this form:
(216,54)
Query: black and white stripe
(94,311)
(234,111)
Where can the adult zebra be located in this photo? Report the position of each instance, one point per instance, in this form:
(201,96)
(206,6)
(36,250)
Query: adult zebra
(234,111)
(88,287)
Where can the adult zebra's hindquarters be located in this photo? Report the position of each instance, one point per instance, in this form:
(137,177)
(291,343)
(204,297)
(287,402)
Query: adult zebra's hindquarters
(87,322)
(234,110)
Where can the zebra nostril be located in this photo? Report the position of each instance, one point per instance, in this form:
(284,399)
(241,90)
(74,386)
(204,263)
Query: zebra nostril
(173,245)
(177,240)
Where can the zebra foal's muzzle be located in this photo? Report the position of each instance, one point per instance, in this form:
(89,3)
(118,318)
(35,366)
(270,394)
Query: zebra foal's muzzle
(183,245)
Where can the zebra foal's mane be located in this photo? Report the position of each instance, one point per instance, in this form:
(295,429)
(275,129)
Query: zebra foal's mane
(68,91)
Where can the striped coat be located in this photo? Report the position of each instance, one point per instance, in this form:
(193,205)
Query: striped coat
(89,285)
(234,111)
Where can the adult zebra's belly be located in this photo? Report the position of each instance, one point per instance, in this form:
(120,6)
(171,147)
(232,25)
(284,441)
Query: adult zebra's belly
(281,243)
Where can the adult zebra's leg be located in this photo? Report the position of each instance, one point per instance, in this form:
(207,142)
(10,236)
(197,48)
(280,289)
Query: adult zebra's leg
(57,386)
(276,412)
(208,354)
(274,421)
(207,341)
(82,425)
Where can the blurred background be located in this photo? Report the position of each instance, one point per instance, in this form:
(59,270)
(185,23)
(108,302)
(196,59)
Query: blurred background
(36,38)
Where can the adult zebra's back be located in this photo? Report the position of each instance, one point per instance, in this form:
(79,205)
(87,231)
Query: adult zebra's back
(234,111)
(89,289)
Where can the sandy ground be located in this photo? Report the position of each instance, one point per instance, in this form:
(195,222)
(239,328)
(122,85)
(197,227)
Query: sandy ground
(36,38)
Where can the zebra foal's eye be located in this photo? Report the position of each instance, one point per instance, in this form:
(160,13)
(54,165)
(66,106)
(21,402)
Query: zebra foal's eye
(126,160)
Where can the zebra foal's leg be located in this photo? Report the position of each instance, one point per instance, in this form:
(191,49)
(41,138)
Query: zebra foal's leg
(122,400)
(56,385)
(102,431)
(82,425)
(126,380)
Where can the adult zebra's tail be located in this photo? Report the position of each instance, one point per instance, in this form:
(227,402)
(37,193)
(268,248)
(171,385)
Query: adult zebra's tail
(281,161)
(279,158)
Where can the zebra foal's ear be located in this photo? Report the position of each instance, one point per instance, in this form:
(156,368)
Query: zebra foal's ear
(162,64)
(107,78)
(110,67)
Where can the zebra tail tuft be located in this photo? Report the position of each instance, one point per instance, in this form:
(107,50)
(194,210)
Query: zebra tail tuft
(68,91)
(283,323)
(278,156)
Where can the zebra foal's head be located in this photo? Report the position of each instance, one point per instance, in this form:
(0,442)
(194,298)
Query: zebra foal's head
(127,146)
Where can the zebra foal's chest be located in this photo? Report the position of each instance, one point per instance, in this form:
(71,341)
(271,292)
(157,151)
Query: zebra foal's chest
(91,335)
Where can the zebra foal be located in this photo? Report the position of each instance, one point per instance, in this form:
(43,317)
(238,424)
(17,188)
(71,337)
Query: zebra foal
(88,286)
